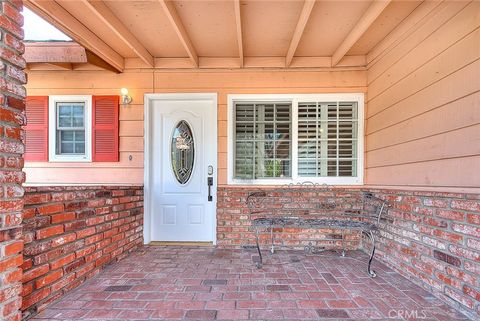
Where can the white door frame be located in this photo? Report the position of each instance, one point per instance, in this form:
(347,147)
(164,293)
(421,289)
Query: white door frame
(148,100)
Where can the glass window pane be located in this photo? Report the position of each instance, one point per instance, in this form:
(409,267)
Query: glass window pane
(66,148)
(244,167)
(79,136)
(70,142)
(307,167)
(347,110)
(182,151)
(283,113)
(64,110)
(347,149)
(244,112)
(78,121)
(80,148)
(331,167)
(327,134)
(70,115)
(65,122)
(244,131)
(347,130)
(265,112)
(347,168)
(78,110)
(263,140)
(66,136)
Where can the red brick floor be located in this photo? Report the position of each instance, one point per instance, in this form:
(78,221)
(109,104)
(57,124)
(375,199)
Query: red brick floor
(173,283)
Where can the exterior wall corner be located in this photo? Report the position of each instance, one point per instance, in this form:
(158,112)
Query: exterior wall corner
(12,118)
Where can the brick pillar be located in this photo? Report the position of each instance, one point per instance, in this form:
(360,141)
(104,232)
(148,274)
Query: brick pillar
(12,106)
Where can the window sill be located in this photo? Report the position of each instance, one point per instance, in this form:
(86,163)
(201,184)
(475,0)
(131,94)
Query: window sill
(69,159)
(314,181)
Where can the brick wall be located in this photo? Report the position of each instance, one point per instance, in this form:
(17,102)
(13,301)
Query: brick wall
(431,238)
(234,217)
(71,233)
(434,239)
(12,106)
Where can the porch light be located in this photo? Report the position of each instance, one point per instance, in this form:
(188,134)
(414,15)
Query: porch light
(126,99)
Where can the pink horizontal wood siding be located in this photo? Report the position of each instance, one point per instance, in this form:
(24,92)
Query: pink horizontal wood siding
(423,105)
(140,82)
(422,111)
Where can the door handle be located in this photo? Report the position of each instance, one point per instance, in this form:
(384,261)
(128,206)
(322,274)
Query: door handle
(210,184)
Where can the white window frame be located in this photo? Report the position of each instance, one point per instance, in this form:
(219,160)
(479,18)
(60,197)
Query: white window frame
(52,128)
(294,99)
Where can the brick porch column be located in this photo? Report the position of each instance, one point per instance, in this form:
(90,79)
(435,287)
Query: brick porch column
(12,105)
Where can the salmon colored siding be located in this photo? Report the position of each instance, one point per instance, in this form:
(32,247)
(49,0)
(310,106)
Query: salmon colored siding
(140,82)
(423,115)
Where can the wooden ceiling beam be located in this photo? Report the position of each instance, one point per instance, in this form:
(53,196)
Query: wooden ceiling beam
(176,22)
(103,13)
(372,13)
(62,65)
(54,52)
(297,34)
(95,60)
(238,23)
(63,20)
(319,63)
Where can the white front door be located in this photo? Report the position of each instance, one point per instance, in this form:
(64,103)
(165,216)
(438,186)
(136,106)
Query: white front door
(181,154)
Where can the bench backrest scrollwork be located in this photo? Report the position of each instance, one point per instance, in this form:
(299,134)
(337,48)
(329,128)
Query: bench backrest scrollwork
(315,200)
(255,201)
(378,206)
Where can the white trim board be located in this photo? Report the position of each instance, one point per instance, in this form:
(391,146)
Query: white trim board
(148,100)
(295,99)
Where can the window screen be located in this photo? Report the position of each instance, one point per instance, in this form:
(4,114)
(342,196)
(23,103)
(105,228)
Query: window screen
(263,140)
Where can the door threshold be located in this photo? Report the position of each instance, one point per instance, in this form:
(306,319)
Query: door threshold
(169,243)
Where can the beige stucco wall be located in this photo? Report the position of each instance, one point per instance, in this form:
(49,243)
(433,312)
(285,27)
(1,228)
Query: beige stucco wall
(423,115)
(140,82)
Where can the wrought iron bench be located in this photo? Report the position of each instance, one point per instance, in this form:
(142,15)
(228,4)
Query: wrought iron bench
(363,213)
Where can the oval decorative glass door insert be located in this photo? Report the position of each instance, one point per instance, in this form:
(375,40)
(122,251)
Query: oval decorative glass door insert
(183,152)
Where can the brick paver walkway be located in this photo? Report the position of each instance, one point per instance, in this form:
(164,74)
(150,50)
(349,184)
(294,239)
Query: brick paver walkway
(178,283)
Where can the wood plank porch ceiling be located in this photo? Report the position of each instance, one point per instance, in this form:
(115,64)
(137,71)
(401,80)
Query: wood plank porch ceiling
(227,33)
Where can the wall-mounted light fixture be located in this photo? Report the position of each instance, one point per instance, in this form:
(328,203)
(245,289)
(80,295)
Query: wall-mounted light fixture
(126,99)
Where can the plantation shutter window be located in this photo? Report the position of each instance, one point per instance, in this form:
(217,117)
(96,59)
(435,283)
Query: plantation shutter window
(36,130)
(327,139)
(263,140)
(280,139)
(105,129)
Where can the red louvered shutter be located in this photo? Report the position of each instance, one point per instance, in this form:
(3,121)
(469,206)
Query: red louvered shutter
(105,128)
(36,130)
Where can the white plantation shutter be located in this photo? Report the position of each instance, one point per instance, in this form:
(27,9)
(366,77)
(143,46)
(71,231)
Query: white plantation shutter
(262,140)
(327,139)
(244,146)
(317,138)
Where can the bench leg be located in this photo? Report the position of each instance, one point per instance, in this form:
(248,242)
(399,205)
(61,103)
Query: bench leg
(369,270)
(257,236)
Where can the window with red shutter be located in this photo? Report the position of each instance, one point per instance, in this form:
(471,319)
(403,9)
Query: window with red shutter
(105,128)
(36,130)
